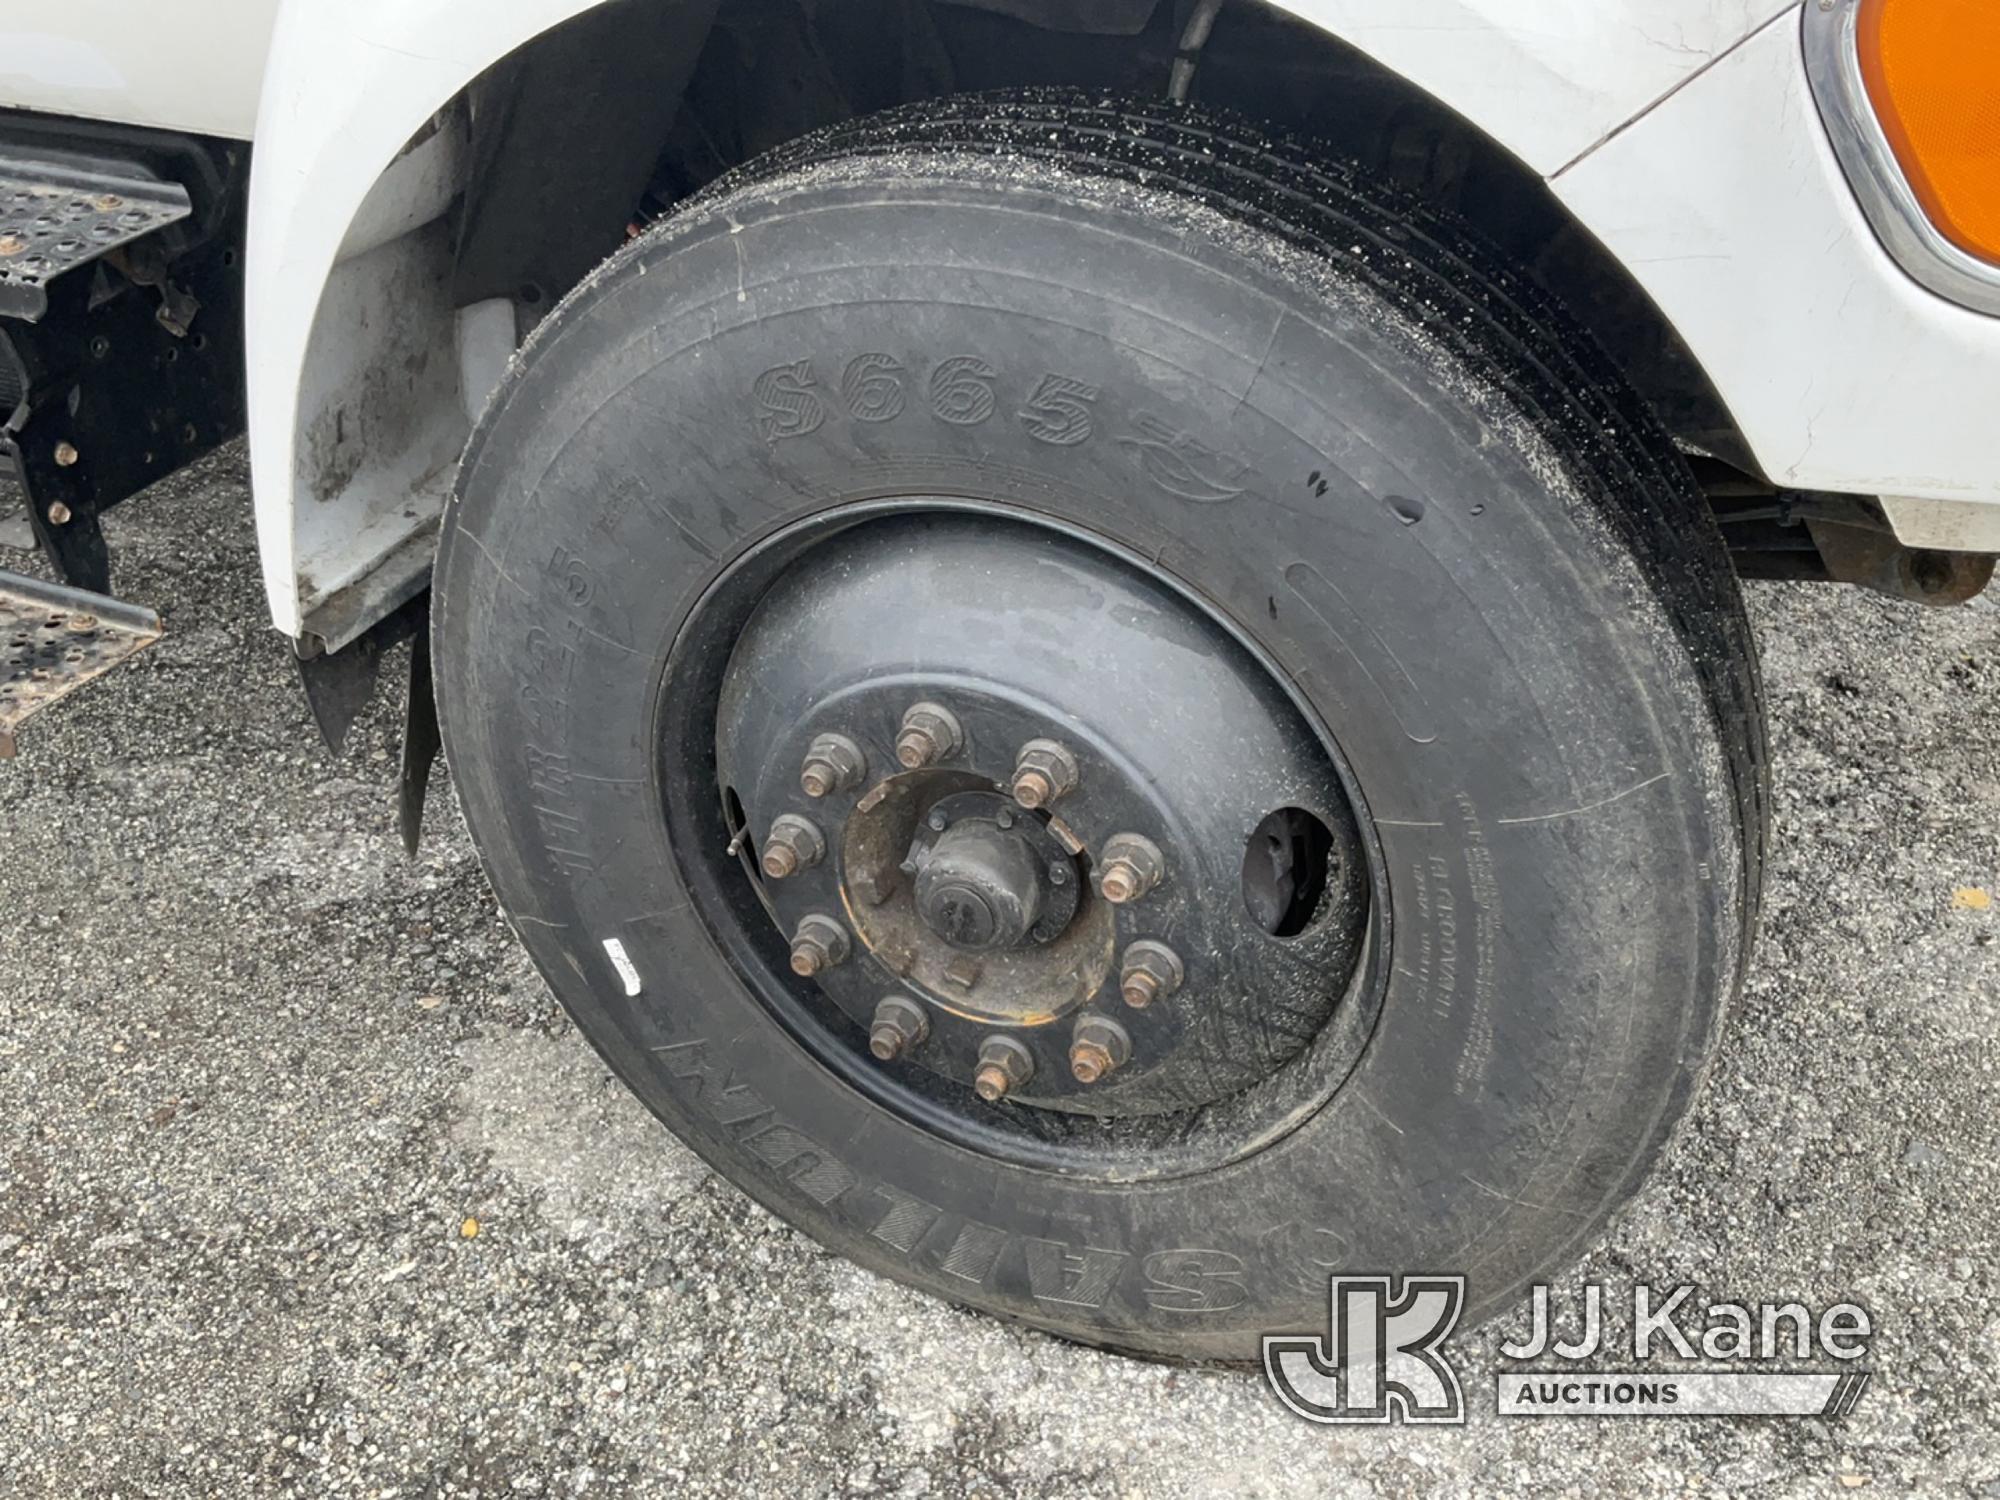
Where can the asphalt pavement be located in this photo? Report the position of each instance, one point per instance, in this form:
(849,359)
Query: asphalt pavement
(308,1187)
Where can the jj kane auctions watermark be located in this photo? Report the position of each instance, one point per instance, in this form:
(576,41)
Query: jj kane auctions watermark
(1382,1357)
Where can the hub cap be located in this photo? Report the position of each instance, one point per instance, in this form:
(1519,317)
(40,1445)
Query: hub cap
(1081,851)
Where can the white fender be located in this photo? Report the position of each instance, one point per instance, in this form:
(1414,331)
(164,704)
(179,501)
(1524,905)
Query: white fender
(349,85)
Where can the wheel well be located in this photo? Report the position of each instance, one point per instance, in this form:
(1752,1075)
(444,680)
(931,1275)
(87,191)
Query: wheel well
(609,120)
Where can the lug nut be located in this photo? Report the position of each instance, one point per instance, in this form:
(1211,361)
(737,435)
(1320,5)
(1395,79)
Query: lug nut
(833,764)
(930,733)
(1098,1046)
(1149,971)
(900,1024)
(795,844)
(1043,771)
(1004,1065)
(818,943)
(1132,865)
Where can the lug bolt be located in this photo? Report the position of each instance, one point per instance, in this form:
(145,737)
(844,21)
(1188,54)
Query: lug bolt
(794,845)
(818,943)
(1043,771)
(1132,866)
(833,764)
(1149,971)
(1004,1065)
(1098,1046)
(900,1024)
(930,733)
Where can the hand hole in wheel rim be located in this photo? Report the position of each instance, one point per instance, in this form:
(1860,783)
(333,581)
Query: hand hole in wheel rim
(1285,866)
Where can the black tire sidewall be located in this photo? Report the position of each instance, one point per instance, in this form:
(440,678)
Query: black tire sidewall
(1536,760)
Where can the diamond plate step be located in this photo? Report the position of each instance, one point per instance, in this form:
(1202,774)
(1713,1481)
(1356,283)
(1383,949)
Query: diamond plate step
(54,639)
(56,216)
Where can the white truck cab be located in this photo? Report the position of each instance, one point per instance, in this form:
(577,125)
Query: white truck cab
(1173,561)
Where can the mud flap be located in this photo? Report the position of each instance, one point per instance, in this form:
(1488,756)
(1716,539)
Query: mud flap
(421,739)
(340,684)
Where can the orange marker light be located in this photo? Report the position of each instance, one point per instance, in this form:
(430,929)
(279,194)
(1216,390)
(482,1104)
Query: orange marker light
(1932,70)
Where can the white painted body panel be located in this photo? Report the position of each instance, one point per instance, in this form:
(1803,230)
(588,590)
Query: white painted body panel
(1547,79)
(1729,207)
(1680,132)
(346,88)
(192,65)
(348,85)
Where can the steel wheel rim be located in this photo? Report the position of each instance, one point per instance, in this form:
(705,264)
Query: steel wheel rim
(740,917)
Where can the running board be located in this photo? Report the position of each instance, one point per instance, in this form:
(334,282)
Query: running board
(54,639)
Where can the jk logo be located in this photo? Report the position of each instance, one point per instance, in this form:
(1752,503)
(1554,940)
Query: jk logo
(1380,1360)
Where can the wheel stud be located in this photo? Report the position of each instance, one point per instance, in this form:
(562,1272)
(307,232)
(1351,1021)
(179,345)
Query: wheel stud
(1097,1047)
(833,764)
(1043,771)
(900,1024)
(818,943)
(930,733)
(1132,865)
(795,844)
(1004,1065)
(1149,971)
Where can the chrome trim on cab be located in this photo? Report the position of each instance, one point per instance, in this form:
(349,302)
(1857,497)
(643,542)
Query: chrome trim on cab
(1833,65)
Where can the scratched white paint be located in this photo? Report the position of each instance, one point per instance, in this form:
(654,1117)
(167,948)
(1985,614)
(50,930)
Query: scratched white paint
(1729,206)
(1548,79)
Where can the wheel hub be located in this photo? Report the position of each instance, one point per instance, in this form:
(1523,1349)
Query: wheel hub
(989,875)
(970,901)
(1012,804)
(980,888)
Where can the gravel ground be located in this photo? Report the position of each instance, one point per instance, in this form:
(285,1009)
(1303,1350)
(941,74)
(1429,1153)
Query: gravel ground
(307,1186)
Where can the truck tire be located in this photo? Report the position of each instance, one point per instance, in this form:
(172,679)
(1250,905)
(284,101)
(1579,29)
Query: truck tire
(1111,718)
